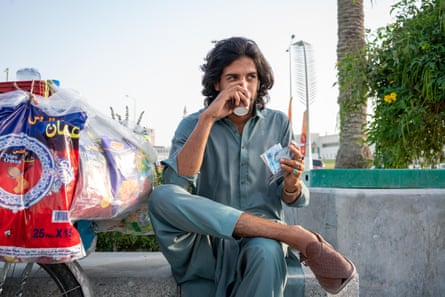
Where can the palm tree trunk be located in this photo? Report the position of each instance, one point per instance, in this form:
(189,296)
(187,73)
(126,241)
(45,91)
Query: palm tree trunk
(353,151)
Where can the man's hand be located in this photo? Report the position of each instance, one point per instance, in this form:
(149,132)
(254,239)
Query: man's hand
(227,99)
(293,168)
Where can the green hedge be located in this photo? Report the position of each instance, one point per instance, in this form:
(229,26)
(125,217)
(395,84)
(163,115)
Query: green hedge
(119,242)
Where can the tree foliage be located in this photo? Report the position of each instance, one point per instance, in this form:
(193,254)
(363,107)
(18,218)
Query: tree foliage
(406,76)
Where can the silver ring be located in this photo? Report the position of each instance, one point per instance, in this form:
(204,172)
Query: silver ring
(295,171)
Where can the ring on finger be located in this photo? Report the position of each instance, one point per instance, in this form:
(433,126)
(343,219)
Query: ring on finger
(295,171)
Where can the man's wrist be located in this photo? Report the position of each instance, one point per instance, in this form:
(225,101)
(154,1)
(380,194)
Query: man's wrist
(291,193)
(291,196)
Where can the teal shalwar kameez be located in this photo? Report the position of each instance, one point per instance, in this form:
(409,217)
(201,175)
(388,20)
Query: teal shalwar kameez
(194,217)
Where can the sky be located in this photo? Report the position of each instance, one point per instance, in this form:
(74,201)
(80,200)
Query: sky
(146,54)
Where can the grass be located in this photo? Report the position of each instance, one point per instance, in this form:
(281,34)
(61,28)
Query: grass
(329,164)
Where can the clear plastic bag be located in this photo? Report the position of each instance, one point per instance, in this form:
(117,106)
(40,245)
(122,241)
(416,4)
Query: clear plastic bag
(117,170)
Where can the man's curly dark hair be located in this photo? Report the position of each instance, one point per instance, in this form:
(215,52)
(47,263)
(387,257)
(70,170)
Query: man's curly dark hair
(223,54)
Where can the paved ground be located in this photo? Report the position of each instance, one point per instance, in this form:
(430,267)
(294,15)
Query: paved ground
(147,274)
(129,274)
(134,274)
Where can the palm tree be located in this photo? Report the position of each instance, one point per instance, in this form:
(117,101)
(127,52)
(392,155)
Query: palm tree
(353,151)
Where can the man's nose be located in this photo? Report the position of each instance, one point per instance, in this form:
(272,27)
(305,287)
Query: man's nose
(243,82)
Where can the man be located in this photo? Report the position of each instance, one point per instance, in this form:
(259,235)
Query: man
(218,218)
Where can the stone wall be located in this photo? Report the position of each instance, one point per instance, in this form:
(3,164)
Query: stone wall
(396,237)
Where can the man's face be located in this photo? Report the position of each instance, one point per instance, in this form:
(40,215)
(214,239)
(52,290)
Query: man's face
(243,72)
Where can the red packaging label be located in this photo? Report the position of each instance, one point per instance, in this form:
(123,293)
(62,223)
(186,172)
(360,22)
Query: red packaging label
(38,173)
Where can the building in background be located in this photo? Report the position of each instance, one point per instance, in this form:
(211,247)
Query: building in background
(162,152)
(324,147)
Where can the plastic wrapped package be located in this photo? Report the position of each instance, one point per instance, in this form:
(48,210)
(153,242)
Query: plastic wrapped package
(39,157)
(93,193)
(136,222)
(117,171)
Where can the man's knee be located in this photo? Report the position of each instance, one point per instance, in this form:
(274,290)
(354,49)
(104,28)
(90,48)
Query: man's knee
(162,197)
(156,197)
(157,193)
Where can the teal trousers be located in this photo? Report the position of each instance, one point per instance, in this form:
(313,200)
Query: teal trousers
(195,235)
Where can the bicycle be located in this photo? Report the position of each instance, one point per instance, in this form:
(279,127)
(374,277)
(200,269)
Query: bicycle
(61,279)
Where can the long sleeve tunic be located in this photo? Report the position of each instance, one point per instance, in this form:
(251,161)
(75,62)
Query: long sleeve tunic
(194,216)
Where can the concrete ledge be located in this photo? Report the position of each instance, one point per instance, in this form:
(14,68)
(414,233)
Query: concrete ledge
(376,178)
(395,237)
(147,274)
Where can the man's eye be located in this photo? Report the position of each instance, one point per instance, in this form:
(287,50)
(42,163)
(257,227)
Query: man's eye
(251,76)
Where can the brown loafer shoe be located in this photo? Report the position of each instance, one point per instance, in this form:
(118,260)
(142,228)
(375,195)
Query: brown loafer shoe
(332,270)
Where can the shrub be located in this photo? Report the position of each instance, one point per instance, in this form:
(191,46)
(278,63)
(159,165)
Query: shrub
(406,77)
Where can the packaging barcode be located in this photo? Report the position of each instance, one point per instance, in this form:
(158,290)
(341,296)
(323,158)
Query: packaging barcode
(60,216)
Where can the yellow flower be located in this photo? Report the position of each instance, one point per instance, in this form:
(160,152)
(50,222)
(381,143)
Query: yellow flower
(390,98)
